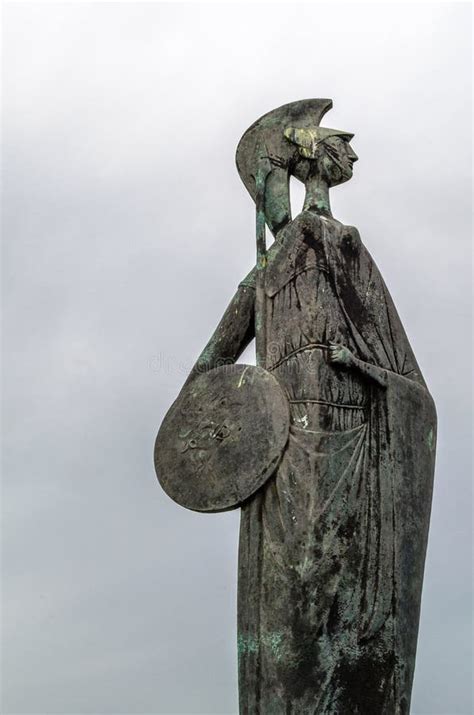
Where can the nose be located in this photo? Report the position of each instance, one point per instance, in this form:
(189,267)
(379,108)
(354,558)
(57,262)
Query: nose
(352,155)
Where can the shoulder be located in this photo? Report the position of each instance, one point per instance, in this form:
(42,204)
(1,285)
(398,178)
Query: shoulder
(250,280)
(305,227)
(351,235)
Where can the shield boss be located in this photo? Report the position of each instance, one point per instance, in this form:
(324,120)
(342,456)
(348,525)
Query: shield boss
(222,438)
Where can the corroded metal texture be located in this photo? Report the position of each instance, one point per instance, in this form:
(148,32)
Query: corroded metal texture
(222,438)
(339,532)
(333,543)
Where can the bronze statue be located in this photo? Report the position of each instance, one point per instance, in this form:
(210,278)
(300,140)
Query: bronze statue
(334,521)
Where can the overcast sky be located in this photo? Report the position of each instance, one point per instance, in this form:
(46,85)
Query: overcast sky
(126,231)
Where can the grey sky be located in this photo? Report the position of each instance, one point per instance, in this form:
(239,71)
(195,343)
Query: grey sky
(126,231)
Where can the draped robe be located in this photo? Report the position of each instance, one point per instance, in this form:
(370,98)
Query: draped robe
(332,547)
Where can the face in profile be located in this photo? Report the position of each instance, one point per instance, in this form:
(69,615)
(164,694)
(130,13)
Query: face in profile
(336,160)
(329,160)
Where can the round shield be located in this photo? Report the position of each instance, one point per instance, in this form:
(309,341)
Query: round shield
(222,438)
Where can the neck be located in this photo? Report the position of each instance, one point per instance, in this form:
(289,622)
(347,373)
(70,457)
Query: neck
(317,196)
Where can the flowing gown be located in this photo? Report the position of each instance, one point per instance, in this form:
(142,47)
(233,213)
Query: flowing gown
(322,573)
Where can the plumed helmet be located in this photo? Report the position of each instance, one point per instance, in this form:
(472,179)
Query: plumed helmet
(308,139)
(280,137)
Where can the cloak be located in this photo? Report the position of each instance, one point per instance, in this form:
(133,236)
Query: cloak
(393,498)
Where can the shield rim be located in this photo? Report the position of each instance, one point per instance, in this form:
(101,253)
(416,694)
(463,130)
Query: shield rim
(266,472)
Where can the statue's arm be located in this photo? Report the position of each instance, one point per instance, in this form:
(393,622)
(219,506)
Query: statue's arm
(373,372)
(233,334)
(340,355)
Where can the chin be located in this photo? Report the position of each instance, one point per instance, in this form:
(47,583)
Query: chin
(342,180)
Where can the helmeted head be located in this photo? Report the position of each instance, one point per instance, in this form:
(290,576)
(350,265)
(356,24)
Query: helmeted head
(325,152)
(288,141)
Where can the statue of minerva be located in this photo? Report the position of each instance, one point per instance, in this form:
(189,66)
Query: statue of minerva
(327,446)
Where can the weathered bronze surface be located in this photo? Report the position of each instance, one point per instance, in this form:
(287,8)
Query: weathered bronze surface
(332,545)
(222,438)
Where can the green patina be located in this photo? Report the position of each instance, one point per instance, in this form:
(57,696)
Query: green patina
(324,613)
(207,353)
(275,642)
(248,644)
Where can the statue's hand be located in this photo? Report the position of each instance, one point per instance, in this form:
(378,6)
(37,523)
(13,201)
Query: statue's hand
(340,355)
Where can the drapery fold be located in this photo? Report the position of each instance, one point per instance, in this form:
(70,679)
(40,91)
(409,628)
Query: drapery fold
(332,548)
